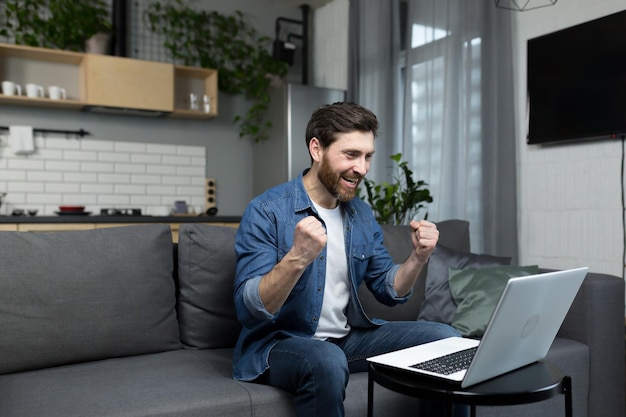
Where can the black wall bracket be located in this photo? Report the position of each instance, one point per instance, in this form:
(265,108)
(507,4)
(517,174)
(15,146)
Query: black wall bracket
(284,49)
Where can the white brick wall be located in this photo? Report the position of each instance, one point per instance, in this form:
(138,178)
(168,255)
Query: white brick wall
(101,174)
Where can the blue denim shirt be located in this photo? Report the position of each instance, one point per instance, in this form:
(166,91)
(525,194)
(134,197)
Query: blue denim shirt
(264,237)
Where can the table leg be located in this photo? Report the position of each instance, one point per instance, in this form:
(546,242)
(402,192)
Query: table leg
(449,406)
(370,394)
(567,390)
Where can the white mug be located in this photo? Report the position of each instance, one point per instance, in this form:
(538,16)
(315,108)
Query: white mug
(56,93)
(206,100)
(34,90)
(193,101)
(9,88)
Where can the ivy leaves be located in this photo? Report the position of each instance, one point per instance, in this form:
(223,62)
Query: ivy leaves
(59,24)
(228,43)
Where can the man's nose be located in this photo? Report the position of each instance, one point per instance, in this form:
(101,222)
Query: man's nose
(361,166)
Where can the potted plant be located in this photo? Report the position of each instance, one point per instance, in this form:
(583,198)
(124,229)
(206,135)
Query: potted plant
(400,201)
(227,43)
(58,24)
(97,27)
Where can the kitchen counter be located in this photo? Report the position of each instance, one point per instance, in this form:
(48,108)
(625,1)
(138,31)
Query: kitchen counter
(117,219)
(87,222)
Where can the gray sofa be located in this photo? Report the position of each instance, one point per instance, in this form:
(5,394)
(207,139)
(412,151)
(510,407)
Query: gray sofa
(122,322)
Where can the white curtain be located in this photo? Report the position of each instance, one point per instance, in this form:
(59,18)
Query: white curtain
(454,124)
(374,79)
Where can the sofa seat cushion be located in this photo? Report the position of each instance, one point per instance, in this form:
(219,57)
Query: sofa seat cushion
(68,297)
(181,383)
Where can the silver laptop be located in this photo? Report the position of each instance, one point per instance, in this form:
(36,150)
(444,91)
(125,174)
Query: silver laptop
(521,330)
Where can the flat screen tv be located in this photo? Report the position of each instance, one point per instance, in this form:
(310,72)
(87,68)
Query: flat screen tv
(577,82)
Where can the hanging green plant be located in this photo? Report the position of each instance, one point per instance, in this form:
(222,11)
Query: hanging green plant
(399,202)
(56,24)
(227,43)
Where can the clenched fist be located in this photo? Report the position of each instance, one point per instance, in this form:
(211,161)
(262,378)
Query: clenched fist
(425,236)
(309,239)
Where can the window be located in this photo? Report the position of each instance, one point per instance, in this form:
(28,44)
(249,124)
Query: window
(443,124)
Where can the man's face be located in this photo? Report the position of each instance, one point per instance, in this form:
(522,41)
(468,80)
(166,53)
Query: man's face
(345,162)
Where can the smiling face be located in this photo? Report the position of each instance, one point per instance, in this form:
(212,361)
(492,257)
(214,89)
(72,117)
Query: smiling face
(342,165)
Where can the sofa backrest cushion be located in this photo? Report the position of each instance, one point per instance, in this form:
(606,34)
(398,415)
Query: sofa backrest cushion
(206,273)
(397,239)
(476,292)
(75,296)
(438,304)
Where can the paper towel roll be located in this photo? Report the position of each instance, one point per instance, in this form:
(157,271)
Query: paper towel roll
(21,140)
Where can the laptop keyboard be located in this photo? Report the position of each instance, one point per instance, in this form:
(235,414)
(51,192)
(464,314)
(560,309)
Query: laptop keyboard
(448,364)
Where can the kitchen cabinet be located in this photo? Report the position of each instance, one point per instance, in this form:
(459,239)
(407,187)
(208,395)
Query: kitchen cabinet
(176,227)
(128,83)
(90,224)
(107,82)
(53,227)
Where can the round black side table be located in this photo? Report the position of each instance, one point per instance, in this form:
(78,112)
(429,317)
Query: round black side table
(533,383)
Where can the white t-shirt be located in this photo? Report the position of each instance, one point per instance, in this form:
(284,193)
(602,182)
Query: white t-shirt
(333,322)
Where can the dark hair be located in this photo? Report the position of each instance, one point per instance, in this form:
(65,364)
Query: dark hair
(331,119)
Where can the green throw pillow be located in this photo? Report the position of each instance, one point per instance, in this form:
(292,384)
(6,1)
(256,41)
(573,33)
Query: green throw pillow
(476,293)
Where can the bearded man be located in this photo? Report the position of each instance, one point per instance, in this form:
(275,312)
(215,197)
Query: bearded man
(303,249)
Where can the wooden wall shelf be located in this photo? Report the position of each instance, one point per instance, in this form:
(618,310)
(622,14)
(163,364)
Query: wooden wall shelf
(107,81)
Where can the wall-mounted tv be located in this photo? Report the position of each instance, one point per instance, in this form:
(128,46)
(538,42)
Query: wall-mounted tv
(577,82)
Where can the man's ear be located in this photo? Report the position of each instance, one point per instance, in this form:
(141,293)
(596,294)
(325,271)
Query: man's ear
(315,149)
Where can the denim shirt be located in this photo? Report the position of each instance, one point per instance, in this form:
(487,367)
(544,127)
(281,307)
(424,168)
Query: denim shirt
(264,237)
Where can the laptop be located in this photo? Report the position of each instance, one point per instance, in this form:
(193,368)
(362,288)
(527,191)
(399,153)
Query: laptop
(521,330)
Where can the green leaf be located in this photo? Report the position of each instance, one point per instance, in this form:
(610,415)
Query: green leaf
(399,202)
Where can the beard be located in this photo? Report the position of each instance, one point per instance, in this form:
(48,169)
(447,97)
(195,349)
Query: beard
(332,182)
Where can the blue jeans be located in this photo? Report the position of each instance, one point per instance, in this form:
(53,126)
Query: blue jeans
(317,372)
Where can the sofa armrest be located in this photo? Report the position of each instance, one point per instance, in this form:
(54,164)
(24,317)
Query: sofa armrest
(596,319)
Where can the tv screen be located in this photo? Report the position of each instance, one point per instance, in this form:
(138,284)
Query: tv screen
(577,82)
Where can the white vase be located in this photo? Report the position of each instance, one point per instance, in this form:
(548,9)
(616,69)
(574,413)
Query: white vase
(98,44)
